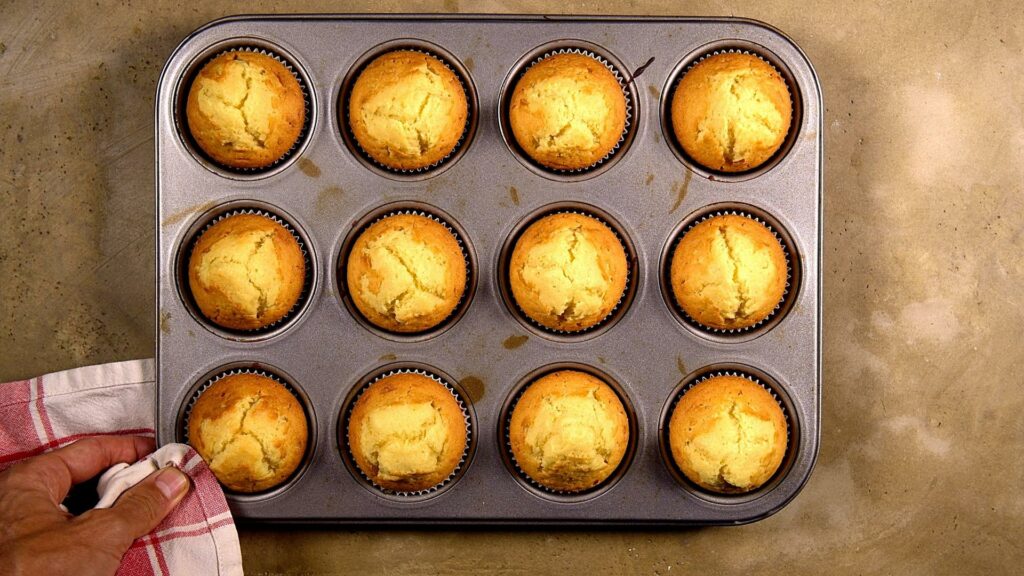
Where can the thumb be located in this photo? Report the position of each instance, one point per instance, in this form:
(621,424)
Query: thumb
(142,507)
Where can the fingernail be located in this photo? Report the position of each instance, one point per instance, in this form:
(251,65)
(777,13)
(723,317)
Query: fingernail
(171,482)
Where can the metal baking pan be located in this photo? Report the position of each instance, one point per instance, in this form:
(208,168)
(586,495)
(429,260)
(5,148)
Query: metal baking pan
(649,190)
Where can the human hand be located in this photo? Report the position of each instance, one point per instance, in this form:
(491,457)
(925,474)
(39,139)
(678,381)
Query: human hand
(37,537)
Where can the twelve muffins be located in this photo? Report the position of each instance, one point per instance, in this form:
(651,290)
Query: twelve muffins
(568,271)
(728,434)
(246,272)
(245,109)
(407,432)
(406,273)
(729,272)
(568,431)
(731,112)
(407,110)
(568,111)
(250,430)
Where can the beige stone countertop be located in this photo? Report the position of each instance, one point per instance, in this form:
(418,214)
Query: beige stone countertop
(921,467)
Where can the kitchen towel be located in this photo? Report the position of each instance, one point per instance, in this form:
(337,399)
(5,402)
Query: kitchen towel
(54,410)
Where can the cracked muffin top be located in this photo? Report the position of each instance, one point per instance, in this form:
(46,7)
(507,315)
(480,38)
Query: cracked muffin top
(245,109)
(246,272)
(728,434)
(568,271)
(568,111)
(569,431)
(729,272)
(251,431)
(731,112)
(407,110)
(407,432)
(406,273)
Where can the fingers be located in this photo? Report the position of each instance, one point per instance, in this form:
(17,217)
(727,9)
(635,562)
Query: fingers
(141,508)
(55,472)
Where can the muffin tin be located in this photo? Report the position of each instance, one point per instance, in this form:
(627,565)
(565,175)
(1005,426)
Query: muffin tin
(648,190)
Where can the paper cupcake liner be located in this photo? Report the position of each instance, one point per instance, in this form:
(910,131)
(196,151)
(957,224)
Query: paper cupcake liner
(611,313)
(507,437)
(306,122)
(729,331)
(462,248)
(470,105)
(307,283)
(234,372)
(465,453)
(679,78)
(623,84)
(689,386)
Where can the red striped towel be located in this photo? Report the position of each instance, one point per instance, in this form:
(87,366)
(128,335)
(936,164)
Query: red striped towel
(54,410)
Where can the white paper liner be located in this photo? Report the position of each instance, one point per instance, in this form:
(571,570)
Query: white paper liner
(623,84)
(679,78)
(255,372)
(414,171)
(507,438)
(611,313)
(727,331)
(307,283)
(462,248)
(465,453)
(689,386)
(306,121)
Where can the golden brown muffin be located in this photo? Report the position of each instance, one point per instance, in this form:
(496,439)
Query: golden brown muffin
(407,110)
(406,273)
(569,431)
(731,112)
(246,272)
(245,109)
(568,111)
(729,272)
(251,431)
(407,432)
(568,271)
(728,434)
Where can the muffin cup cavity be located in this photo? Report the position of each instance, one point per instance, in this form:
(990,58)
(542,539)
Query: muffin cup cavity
(258,46)
(417,209)
(793,272)
(218,214)
(730,47)
(524,479)
(617,312)
(257,369)
(763,380)
(613,64)
(453,64)
(451,385)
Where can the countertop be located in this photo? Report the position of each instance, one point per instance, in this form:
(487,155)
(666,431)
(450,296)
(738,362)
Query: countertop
(922,449)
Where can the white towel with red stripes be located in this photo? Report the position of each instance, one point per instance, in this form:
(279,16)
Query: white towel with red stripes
(54,410)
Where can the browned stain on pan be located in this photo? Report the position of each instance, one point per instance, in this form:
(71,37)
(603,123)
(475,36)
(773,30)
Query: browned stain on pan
(182,214)
(309,168)
(514,195)
(474,387)
(515,341)
(328,196)
(680,190)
